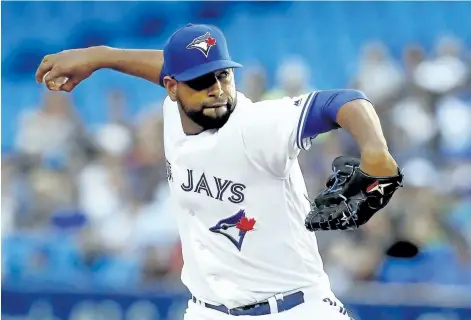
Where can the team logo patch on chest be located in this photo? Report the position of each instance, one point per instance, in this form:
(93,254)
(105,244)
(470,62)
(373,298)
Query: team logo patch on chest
(235,228)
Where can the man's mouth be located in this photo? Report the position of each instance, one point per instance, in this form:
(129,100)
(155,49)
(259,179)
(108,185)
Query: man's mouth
(215,106)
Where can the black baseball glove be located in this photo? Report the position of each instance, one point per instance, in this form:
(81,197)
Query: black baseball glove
(351,198)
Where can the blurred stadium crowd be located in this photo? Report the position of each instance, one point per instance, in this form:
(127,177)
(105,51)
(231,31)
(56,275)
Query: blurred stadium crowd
(85,201)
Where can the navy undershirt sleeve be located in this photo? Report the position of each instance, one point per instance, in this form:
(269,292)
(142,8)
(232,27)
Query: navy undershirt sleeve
(319,113)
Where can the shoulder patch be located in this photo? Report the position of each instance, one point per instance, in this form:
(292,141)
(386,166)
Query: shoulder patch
(297,102)
(300,100)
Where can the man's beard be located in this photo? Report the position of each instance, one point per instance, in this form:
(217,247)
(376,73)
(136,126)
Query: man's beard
(207,122)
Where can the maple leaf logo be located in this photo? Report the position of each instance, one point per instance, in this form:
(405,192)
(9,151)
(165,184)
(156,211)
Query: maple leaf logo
(245,224)
(211,41)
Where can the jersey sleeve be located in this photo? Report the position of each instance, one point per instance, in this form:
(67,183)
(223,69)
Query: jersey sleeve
(277,130)
(271,132)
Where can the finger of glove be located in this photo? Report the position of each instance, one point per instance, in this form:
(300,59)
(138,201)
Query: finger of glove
(343,216)
(324,223)
(331,180)
(325,218)
(317,221)
(346,215)
(345,164)
(336,179)
(329,199)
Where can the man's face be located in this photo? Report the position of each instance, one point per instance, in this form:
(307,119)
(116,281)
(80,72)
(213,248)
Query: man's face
(208,100)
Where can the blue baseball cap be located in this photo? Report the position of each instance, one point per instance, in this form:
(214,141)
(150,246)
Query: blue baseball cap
(195,50)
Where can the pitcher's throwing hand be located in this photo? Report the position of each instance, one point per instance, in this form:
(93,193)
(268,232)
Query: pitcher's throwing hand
(66,69)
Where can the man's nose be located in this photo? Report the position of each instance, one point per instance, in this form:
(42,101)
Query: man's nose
(216,89)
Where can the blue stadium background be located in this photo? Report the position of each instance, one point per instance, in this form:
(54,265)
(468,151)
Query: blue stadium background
(45,271)
(327,34)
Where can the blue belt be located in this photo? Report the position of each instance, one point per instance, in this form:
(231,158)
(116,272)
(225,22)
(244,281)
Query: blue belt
(259,309)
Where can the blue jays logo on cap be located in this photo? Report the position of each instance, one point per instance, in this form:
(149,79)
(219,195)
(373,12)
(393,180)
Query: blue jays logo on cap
(203,43)
(182,62)
(235,228)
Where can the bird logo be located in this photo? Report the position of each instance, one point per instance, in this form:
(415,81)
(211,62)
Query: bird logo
(203,43)
(235,228)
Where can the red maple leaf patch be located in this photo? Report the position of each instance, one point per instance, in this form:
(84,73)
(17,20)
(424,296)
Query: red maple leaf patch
(211,41)
(245,224)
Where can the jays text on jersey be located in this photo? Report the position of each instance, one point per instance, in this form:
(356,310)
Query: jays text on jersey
(240,201)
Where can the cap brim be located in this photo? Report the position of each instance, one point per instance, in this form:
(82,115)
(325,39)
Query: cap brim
(205,68)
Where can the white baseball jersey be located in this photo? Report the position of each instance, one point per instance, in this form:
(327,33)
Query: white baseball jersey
(241,203)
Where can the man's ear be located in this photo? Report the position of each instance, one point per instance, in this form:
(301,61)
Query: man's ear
(171,85)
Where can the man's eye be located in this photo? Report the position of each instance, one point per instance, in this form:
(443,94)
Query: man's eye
(223,75)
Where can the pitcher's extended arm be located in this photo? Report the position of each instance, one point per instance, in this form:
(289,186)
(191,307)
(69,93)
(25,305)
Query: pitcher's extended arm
(79,64)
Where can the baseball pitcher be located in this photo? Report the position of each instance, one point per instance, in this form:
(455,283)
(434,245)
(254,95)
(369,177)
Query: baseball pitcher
(245,225)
